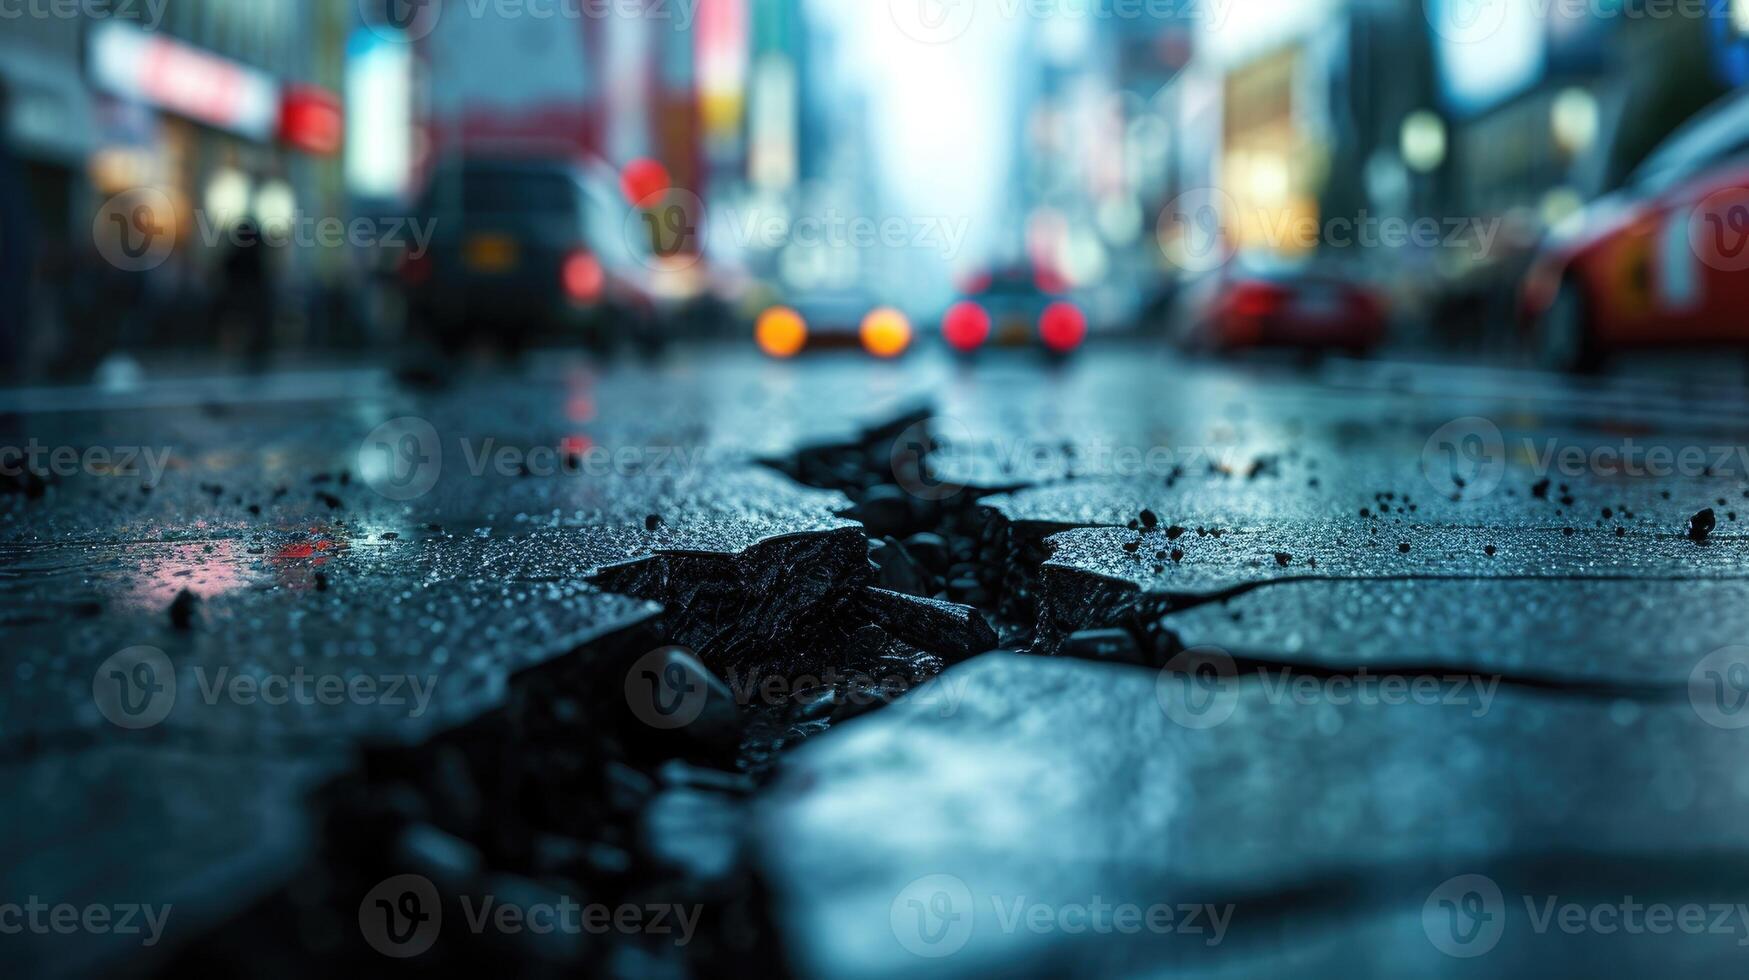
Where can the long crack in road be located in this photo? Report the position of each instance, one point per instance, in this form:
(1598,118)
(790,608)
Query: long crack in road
(755,678)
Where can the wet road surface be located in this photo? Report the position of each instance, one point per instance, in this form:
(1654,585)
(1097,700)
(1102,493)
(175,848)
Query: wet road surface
(1363,662)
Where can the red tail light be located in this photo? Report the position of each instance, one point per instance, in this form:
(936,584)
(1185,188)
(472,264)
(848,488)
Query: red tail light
(1062,327)
(583,277)
(1258,299)
(966,326)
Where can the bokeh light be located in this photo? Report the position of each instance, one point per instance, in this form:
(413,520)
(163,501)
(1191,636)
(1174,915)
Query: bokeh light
(1063,327)
(781,332)
(966,326)
(886,333)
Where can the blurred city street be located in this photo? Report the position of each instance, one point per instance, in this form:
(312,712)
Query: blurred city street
(874,488)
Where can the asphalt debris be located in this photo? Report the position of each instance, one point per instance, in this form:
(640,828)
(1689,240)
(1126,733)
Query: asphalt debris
(1701,525)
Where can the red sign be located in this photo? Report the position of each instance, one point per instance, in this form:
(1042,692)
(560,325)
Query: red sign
(310,119)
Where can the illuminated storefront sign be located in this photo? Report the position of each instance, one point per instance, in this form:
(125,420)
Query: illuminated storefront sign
(1731,41)
(183,79)
(310,119)
(1486,53)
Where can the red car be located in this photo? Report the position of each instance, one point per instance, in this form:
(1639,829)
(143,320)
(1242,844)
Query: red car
(1661,262)
(1257,301)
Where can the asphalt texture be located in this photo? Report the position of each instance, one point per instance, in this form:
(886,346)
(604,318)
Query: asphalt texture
(1360,661)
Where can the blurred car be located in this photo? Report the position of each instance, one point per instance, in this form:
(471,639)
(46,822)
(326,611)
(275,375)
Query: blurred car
(1014,306)
(1258,301)
(1660,262)
(533,249)
(833,319)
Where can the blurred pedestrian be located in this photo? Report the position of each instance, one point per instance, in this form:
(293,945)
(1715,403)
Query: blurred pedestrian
(245,300)
(17,251)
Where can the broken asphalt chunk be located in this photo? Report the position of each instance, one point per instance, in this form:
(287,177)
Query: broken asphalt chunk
(952,631)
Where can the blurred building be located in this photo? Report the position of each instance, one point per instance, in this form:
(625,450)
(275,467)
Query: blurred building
(1557,108)
(51,127)
(1568,104)
(230,109)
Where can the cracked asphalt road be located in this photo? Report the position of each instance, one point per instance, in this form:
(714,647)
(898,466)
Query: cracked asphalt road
(1296,649)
